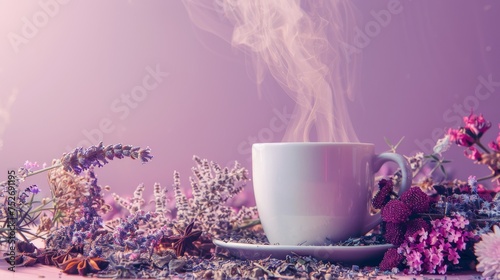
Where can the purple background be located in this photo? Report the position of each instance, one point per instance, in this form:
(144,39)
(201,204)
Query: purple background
(72,69)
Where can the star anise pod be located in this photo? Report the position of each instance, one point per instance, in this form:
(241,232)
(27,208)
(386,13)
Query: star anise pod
(25,256)
(60,258)
(25,247)
(184,242)
(84,265)
(23,259)
(47,257)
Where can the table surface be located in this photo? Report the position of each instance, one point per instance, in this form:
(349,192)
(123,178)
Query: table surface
(50,272)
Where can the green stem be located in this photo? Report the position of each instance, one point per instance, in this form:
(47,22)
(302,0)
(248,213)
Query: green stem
(492,176)
(434,169)
(482,146)
(44,169)
(38,171)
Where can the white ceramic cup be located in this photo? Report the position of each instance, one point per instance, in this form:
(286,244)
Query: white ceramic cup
(316,193)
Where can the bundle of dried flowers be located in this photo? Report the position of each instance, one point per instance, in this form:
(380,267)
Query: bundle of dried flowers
(469,136)
(69,191)
(198,219)
(212,186)
(23,207)
(436,233)
(78,204)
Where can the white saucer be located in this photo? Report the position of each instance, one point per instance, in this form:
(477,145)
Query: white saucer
(346,254)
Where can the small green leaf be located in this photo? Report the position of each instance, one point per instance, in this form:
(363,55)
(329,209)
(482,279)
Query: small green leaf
(442,169)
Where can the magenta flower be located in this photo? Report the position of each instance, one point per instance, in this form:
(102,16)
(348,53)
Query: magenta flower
(395,211)
(434,258)
(391,259)
(415,225)
(435,249)
(416,200)
(442,269)
(460,222)
(395,233)
(462,241)
(477,124)
(383,196)
(495,145)
(473,153)
(454,236)
(453,255)
(462,137)
(414,261)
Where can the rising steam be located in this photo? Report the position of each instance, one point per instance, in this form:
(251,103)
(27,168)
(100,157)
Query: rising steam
(302,45)
(5,106)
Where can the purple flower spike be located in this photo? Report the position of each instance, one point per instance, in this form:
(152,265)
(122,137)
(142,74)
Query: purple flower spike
(82,159)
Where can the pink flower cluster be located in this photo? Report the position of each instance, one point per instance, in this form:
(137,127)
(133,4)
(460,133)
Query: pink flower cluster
(435,250)
(470,136)
(475,127)
(400,215)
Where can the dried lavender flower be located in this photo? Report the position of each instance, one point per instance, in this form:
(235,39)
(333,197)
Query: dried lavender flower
(212,187)
(70,191)
(81,159)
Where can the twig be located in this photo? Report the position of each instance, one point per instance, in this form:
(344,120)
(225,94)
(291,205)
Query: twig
(248,225)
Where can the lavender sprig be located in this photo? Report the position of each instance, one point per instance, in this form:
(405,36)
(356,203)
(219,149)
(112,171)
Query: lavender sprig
(81,159)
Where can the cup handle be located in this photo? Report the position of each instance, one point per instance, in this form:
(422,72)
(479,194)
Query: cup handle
(378,161)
